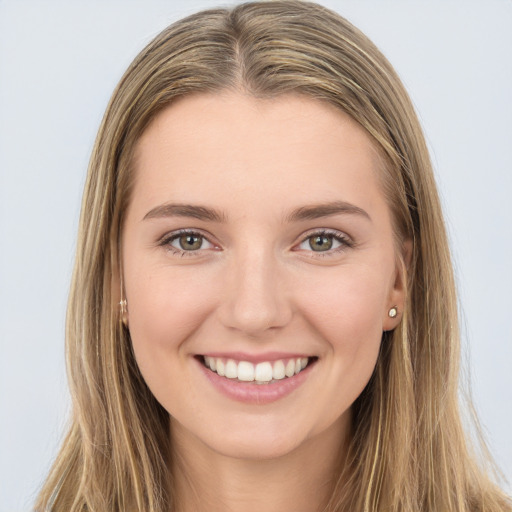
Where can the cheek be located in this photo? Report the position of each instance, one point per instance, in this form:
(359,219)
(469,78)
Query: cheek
(165,309)
(348,317)
(348,305)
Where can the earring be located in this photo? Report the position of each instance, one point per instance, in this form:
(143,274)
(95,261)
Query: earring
(393,312)
(124,311)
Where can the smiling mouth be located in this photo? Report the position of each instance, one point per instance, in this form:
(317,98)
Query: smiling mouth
(265,372)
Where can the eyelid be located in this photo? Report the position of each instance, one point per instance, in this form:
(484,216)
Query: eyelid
(344,240)
(165,241)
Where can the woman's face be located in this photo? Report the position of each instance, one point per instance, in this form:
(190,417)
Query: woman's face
(257,240)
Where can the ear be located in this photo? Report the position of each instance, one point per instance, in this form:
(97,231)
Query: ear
(397,297)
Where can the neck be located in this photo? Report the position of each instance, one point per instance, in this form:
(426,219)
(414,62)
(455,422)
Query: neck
(302,480)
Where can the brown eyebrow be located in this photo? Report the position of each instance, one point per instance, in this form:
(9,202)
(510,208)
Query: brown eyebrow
(310,212)
(325,210)
(185,210)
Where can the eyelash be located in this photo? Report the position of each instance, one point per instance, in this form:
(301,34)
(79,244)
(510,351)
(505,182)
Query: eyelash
(169,238)
(344,241)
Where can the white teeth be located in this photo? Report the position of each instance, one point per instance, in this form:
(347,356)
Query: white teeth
(245,371)
(261,373)
(289,370)
(211,362)
(278,370)
(231,369)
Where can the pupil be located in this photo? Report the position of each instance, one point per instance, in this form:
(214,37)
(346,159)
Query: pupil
(190,242)
(321,243)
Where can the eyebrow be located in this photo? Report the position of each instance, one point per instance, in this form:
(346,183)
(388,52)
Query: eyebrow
(309,212)
(185,210)
(318,211)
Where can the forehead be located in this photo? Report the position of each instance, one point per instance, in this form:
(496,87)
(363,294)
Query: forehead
(234,148)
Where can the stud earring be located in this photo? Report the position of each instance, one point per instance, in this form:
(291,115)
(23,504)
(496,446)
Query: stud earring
(393,312)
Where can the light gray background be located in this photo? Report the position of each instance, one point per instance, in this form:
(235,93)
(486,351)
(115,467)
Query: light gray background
(59,62)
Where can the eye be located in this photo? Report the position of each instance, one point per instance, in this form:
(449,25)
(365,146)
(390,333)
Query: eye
(321,242)
(325,242)
(185,242)
(188,242)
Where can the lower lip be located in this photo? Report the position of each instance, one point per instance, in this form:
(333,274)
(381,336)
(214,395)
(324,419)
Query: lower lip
(252,393)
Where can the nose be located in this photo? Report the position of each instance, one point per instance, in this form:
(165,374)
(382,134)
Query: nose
(256,299)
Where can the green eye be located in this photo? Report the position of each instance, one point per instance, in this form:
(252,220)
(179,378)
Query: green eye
(325,243)
(187,242)
(321,243)
(190,242)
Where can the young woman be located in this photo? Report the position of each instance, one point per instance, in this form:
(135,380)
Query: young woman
(263,312)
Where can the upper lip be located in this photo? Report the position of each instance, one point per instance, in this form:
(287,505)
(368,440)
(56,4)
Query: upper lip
(256,358)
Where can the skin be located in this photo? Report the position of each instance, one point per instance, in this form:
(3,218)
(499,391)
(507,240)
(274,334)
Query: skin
(256,285)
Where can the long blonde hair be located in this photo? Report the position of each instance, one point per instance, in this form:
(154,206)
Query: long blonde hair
(408,451)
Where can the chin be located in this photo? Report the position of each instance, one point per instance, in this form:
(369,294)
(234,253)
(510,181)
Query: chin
(263,447)
(260,438)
